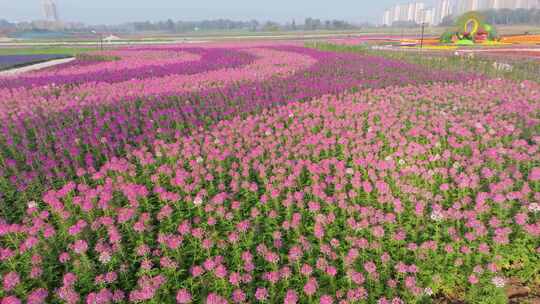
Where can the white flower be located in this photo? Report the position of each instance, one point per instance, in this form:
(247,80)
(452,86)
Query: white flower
(534,207)
(388,158)
(105,257)
(349,171)
(503,66)
(428,291)
(291,115)
(199,160)
(498,281)
(197,201)
(32,205)
(456,165)
(268,133)
(436,216)
(437,145)
(401,162)
(216,141)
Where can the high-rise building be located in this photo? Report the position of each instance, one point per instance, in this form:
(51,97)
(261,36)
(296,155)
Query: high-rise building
(429,16)
(415,12)
(512,4)
(396,12)
(387,17)
(50,11)
(403,12)
(464,6)
(443,9)
(409,12)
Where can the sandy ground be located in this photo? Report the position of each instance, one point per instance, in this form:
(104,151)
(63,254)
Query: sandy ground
(34,67)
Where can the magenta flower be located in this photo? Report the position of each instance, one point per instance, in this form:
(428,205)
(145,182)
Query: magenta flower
(310,288)
(238,296)
(370,267)
(37,296)
(197,271)
(11,300)
(326,299)
(10,280)
(534,175)
(291,297)
(80,246)
(213,298)
(261,294)
(183,296)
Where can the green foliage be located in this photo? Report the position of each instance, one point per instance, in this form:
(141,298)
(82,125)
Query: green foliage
(521,69)
(46,50)
(92,57)
(330,47)
(446,37)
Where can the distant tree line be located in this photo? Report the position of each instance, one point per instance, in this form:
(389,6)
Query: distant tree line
(171,26)
(517,16)
(185,26)
(252,25)
(405,24)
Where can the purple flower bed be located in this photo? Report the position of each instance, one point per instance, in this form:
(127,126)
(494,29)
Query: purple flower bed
(211,59)
(417,194)
(44,148)
(11,61)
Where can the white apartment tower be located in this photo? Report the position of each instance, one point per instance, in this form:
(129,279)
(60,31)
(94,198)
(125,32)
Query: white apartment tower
(408,12)
(429,16)
(464,6)
(514,4)
(387,19)
(416,12)
(443,9)
(50,11)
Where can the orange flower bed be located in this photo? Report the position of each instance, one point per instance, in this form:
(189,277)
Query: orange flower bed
(522,39)
(427,41)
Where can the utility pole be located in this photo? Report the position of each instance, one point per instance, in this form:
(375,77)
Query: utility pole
(422,38)
(100,39)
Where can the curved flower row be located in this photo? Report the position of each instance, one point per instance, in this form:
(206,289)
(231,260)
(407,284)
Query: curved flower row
(105,120)
(211,59)
(21,103)
(124,60)
(393,195)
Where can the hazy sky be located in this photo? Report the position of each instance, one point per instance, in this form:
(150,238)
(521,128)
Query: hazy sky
(118,11)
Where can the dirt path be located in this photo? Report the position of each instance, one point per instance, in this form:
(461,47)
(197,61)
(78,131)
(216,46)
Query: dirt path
(34,67)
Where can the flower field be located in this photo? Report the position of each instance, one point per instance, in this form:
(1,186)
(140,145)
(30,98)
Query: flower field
(266,173)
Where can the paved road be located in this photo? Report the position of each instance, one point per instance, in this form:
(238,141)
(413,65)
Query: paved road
(34,67)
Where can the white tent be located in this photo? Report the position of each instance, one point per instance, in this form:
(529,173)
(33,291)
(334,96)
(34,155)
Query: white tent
(111,38)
